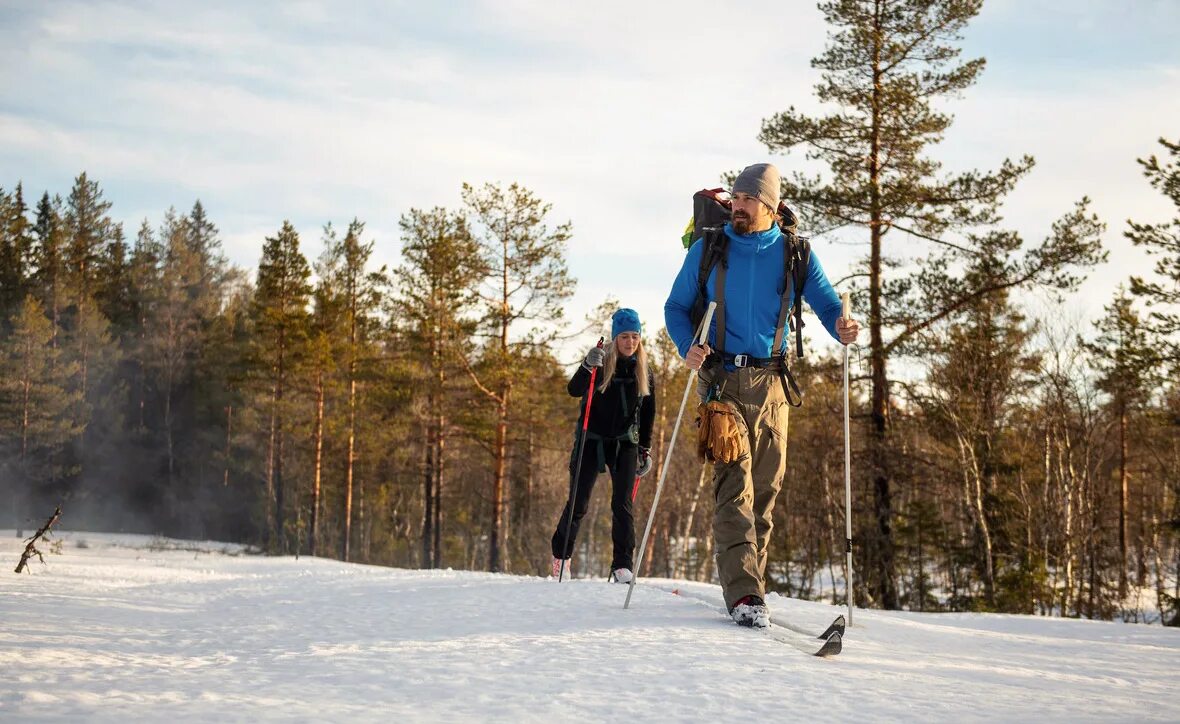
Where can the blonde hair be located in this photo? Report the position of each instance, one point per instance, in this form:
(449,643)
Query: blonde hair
(612,361)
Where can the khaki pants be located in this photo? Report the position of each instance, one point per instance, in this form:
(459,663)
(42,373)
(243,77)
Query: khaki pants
(745,490)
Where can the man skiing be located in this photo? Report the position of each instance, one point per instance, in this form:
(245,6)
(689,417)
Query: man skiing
(749,375)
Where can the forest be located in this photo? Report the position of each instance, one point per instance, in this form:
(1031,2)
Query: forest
(416,415)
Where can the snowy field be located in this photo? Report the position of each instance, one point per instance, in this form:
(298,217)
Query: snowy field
(133,628)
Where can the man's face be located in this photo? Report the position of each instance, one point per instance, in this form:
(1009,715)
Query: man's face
(749,214)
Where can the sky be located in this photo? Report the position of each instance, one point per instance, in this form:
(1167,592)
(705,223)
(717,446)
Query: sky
(614,113)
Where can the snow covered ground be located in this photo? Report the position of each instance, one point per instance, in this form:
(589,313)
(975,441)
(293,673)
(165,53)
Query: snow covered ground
(134,628)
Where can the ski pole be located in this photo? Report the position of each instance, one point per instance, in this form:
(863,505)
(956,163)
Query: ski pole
(702,335)
(569,521)
(846,312)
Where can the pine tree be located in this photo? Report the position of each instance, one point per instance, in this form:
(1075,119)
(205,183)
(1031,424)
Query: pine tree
(527,282)
(280,315)
(979,369)
(887,65)
(172,327)
(355,293)
(1162,240)
(1128,367)
(437,293)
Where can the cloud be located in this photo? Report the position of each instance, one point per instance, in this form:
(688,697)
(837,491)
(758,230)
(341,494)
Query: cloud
(615,113)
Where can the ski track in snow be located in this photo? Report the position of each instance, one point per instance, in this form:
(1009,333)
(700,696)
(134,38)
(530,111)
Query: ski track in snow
(122,630)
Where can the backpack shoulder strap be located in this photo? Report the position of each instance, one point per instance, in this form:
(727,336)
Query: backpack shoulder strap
(714,250)
(714,253)
(795,249)
(802,264)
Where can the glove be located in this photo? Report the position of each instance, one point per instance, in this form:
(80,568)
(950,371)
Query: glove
(720,438)
(644,462)
(594,358)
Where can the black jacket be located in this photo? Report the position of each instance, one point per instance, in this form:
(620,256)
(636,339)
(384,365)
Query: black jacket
(613,410)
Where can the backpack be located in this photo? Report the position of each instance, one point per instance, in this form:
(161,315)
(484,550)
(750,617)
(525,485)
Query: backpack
(711,211)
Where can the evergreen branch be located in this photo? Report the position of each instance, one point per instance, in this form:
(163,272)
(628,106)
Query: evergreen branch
(943,242)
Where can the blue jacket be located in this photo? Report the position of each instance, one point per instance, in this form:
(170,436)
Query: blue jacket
(754,285)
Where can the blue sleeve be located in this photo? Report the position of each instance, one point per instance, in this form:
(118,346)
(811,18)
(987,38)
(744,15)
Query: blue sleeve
(821,296)
(681,298)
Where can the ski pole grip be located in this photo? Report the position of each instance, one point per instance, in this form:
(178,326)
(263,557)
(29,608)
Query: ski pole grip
(846,305)
(703,332)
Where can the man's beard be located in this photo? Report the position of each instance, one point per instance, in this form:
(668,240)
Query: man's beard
(741,223)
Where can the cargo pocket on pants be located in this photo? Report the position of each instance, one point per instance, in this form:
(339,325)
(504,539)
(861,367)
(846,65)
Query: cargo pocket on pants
(775,416)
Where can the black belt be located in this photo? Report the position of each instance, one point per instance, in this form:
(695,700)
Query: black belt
(772,363)
(745,360)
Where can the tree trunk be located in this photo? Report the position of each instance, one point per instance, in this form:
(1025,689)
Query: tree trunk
(1123,501)
(270,465)
(501,458)
(280,523)
(682,569)
(428,471)
(168,424)
(317,478)
(348,480)
(879,437)
(229,428)
(440,467)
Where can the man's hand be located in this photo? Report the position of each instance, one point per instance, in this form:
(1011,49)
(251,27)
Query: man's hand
(696,356)
(848,329)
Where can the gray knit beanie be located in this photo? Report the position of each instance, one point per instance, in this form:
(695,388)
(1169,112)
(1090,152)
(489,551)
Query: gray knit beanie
(761,180)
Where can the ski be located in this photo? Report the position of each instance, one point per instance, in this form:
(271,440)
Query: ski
(831,646)
(794,636)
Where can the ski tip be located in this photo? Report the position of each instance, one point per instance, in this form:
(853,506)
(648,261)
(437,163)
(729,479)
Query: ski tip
(837,626)
(832,646)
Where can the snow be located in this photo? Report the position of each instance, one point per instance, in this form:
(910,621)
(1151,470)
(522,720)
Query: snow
(130,627)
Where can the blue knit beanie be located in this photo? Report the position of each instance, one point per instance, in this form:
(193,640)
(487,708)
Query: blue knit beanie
(624,320)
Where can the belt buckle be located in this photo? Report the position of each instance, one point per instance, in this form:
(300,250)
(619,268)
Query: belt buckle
(741,360)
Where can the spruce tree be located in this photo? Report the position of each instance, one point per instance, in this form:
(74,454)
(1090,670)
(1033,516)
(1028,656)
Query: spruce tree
(88,231)
(16,253)
(887,65)
(50,241)
(38,403)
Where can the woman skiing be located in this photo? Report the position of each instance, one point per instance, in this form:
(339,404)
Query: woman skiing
(618,439)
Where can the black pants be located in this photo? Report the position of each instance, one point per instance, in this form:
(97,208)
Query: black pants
(621,459)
